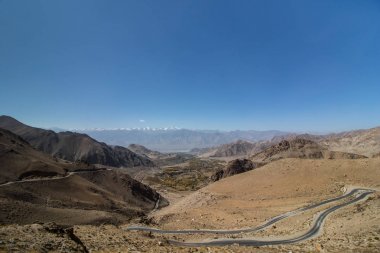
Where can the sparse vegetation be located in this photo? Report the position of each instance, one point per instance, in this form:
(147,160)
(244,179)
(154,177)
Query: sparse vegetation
(191,176)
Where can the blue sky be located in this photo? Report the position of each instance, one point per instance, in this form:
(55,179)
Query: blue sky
(289,65)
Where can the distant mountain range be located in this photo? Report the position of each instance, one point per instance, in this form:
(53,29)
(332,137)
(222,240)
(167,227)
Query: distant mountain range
(177,140)
(365,142)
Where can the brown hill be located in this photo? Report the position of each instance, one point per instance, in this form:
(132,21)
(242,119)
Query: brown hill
(74,146)
(236,149)
(234,167)
(294,147)
(300,148)
(160,159)
(19,160)
(35,186)
(365,142)
(239,148)
(141,150)
(89,197)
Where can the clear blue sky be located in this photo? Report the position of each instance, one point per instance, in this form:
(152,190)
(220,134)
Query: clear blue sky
(289,65)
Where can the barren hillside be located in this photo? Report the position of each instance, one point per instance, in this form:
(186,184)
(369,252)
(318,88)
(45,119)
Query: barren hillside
(249,198)
(300,148)
(365,142)
(36,187)
(73,146)
(160,159)
(19,160)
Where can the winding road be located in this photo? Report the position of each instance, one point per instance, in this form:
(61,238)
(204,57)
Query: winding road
(157,204)
(69,174)
(360,193)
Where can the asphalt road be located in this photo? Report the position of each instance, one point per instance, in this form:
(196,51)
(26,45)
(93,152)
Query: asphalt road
(312,232)
(358,193)
(246,230)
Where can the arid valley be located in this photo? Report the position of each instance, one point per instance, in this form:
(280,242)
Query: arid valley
(67,192)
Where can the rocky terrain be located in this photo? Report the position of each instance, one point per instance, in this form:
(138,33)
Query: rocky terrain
(295,147)
(236,167)
(36,187)
(74,147)
(160,159)
(360,142)
(20,161)
(364,142)
(239,148)
(301,148)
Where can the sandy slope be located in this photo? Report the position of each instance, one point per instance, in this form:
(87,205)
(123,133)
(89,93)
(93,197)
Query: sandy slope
(250,198)
(365,142)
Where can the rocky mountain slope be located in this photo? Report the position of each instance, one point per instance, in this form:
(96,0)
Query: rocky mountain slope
(141,150)
(365,142)
(239,148)
(36,187)
(362,142)
(160,159)
(19,160)
(74,146)
(300,148)
(294,147)
(234,167)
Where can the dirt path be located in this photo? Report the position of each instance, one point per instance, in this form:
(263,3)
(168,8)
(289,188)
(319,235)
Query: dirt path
(50,178)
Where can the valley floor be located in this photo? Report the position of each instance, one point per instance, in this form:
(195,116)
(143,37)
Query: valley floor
(244,200)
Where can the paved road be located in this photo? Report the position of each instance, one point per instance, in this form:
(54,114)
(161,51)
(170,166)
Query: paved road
(247,230)
(157,204)
(313,231)
(69,174)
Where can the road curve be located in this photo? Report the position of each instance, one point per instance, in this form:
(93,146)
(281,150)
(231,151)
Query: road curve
(313,231)
(246,230)
(157,204)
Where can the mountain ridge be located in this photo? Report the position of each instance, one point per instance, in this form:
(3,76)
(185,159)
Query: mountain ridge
(74,146)
(300,148)
(36,186)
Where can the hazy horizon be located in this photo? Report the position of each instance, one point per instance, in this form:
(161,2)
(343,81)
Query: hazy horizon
(299,66)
